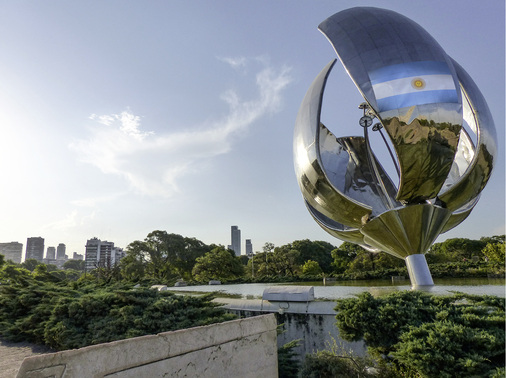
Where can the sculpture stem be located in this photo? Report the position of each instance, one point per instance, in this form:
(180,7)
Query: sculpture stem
(418,270)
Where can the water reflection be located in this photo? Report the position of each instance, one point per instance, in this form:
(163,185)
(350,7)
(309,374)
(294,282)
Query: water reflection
(347,289)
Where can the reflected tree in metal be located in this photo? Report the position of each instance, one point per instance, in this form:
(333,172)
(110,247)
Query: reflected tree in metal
(430,110)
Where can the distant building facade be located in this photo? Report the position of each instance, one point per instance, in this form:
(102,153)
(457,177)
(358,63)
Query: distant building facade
(102,254)
(236,240)
(77,256)
(35,248)
(60,252)
(249,247)
(50,256)
(51,253)
(12,251)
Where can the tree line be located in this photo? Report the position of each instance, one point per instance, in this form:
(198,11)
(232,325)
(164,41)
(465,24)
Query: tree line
(167,257)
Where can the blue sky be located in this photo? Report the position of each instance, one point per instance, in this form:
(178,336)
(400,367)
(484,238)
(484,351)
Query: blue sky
(124,117)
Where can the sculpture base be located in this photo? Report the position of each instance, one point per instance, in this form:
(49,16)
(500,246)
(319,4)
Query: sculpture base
(418,271)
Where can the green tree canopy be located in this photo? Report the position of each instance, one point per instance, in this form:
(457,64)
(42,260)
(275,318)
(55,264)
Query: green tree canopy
(218,264)
(319,251)
(493,239)
(311,268)
(457,249)
(163,256)
(494,252)
(344,255)
(30,264)
(281,262)
(74,264)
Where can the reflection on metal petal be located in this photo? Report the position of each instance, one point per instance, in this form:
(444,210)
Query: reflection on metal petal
(458,217)
(407,230)
(314,184)
(345,163)
(463,158)
(477,175)
(340,231)
(425,151)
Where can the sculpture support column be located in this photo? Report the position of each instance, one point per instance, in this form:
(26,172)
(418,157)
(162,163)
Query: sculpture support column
(418,270)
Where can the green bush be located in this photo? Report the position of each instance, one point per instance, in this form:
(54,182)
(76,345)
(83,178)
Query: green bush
(426,335)
(337,361)
(66,317)
(288,365)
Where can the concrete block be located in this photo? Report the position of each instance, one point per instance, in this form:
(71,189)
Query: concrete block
(223,349)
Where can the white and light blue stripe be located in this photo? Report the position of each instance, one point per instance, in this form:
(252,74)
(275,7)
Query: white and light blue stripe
(393,85)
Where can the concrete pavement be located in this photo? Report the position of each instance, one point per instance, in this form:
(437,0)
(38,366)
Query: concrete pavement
(13,354)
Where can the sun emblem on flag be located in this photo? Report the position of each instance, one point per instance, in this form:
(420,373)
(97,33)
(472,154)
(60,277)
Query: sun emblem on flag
(418,83)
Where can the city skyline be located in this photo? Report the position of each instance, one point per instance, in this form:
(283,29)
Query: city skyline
(124,118)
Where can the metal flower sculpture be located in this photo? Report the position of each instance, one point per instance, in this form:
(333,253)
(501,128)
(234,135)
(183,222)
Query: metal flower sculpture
(429,108)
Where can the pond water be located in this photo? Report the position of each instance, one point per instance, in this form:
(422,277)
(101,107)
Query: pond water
(346,289)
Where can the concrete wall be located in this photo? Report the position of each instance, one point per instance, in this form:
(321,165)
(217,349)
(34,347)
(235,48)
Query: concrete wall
(312,322)
(229,349)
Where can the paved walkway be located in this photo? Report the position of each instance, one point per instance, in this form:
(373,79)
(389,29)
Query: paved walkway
(13,354)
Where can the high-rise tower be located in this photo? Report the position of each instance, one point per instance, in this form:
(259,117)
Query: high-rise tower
(51,253)
(236,240)
(249,247)
(35,248)
(60,251)
(102,254)
(12,251)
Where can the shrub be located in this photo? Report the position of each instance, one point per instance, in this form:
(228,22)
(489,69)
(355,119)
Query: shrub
(425,335)
(65,317)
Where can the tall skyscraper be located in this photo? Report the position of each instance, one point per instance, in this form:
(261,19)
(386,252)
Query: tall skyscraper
(60,251)
(236,240)
(249,247)
(51,253)
(12,251)
(35,248)
(102,254)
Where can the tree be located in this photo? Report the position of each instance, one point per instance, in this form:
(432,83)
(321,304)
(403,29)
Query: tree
(30,264)
(268,247)
(74,264)
(311,268)
(2,260)
(133,265)
(319,251)
(280,263)
(457,249)
(162,256)
(218,264)
(15,273)
(493,239)
(41,273)
(177,252)
(344,255)
(494,252)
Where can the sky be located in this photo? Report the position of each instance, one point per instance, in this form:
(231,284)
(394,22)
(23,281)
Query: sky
(123,117)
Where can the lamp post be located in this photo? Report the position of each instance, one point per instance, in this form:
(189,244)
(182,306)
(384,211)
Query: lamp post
(250,255)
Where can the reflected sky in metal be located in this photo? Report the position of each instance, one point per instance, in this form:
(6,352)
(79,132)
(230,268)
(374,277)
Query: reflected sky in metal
(425,101)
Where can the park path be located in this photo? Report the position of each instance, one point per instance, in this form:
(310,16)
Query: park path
(13,354)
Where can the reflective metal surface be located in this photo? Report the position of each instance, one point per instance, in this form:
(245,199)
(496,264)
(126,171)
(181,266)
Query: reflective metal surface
(418,271)
(431,111)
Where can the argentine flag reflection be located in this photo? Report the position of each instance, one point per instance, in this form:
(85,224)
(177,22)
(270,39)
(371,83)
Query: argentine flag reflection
(416,83)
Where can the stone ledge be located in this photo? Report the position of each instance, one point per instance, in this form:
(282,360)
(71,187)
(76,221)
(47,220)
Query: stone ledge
(256,333)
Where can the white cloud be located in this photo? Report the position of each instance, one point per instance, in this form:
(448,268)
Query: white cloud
(234,62)
(95,201)
(72,220)
(153,163)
